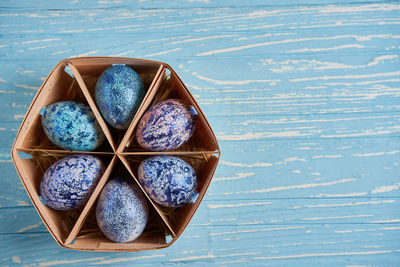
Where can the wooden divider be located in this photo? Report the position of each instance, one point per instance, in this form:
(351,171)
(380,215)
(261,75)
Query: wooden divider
(142,109)
(79,222)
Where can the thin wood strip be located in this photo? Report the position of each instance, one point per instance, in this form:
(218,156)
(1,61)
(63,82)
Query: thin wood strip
(129,135)
(36,105)
(22,149)
(193,101)
(92,105)
(163,90)
(163,217)
(147,153)
(199,198)
(112,60)
(39,206)
(82,217)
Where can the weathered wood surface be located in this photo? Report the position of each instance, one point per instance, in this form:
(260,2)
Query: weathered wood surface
(302,95)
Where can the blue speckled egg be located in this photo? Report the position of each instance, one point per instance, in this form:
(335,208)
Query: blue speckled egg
(168,180)
(122,211)
(119,93)
(68,183)
(72,125)
(166,126)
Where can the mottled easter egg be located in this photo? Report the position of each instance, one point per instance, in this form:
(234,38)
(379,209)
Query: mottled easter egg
(72,125)
(119,93)
(122,211)
(68,183)
(166,126)
(168,180)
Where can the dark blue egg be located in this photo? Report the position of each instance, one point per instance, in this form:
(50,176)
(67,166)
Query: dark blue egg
(72,125)
(166,126)
(168,180)
(119,93)
(68,183)
(122,211)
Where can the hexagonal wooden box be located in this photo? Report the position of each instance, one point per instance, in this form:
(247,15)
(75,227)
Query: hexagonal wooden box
(33,153)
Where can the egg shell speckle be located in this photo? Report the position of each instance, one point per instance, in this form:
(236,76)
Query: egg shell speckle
(168,180)
(69,182)
(122,210)
(119,93)
(72,125)
(166,126)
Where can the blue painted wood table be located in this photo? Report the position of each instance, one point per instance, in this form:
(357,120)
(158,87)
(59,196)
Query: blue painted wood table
(304,97)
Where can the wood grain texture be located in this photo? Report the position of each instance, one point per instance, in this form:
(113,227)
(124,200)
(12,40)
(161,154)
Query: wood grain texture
(302,95)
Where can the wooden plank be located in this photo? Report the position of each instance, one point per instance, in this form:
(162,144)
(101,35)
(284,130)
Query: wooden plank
(332,126)
(93,4)
(244,213)
(357,90)
(277,168)
(126,21)
(319,244)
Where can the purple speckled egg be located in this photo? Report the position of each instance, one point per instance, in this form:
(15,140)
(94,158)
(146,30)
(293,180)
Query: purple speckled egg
(166,126)
(68,183)
(170,181)
(122,210)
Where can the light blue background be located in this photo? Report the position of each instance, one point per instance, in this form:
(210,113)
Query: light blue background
(302,95)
